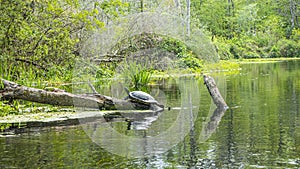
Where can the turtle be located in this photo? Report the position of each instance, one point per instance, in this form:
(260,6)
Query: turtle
(142,97)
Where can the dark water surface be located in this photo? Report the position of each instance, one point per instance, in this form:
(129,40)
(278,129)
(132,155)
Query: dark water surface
(260,130)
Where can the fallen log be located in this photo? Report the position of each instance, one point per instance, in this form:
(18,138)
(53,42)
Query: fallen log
(13,91)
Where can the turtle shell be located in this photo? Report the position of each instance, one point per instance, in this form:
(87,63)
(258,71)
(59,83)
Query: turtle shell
(142,96)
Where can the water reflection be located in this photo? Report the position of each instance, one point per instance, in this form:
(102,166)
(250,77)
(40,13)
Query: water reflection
(140,120)
(156,133)
(264,125)
(210,126)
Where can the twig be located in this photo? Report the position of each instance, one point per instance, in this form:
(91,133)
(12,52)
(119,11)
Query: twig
(93,88)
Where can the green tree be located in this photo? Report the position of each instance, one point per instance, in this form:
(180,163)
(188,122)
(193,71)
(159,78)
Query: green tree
(47,34)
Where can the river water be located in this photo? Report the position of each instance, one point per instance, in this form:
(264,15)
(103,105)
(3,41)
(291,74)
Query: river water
(260,130)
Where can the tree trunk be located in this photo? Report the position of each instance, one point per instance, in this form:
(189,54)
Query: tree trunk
(142,6)
(211,124)
(230,8)
(292,11)
(188,15)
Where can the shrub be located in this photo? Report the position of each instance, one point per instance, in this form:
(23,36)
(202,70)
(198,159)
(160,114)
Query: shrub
(224,51)
(289,48)
(274,52)
(236,51)
(251,55)
(190,62)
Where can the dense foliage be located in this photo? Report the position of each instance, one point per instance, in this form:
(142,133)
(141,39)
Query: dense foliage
(45,36)
(251,29)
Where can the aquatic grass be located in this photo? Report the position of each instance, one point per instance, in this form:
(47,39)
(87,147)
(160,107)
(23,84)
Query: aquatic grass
(136,74)
(30,75)
(4,126)
(7,71)
(19,72)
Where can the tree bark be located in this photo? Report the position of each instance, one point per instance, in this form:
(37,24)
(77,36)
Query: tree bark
(230,8)
(292,11)
(188,15)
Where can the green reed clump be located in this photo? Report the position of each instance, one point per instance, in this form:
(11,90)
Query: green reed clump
(136,75)
(4,126)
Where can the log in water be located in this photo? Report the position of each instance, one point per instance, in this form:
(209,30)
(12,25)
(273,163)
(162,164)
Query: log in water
(214,92)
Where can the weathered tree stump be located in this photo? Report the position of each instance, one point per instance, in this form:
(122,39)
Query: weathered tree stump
(214,92)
